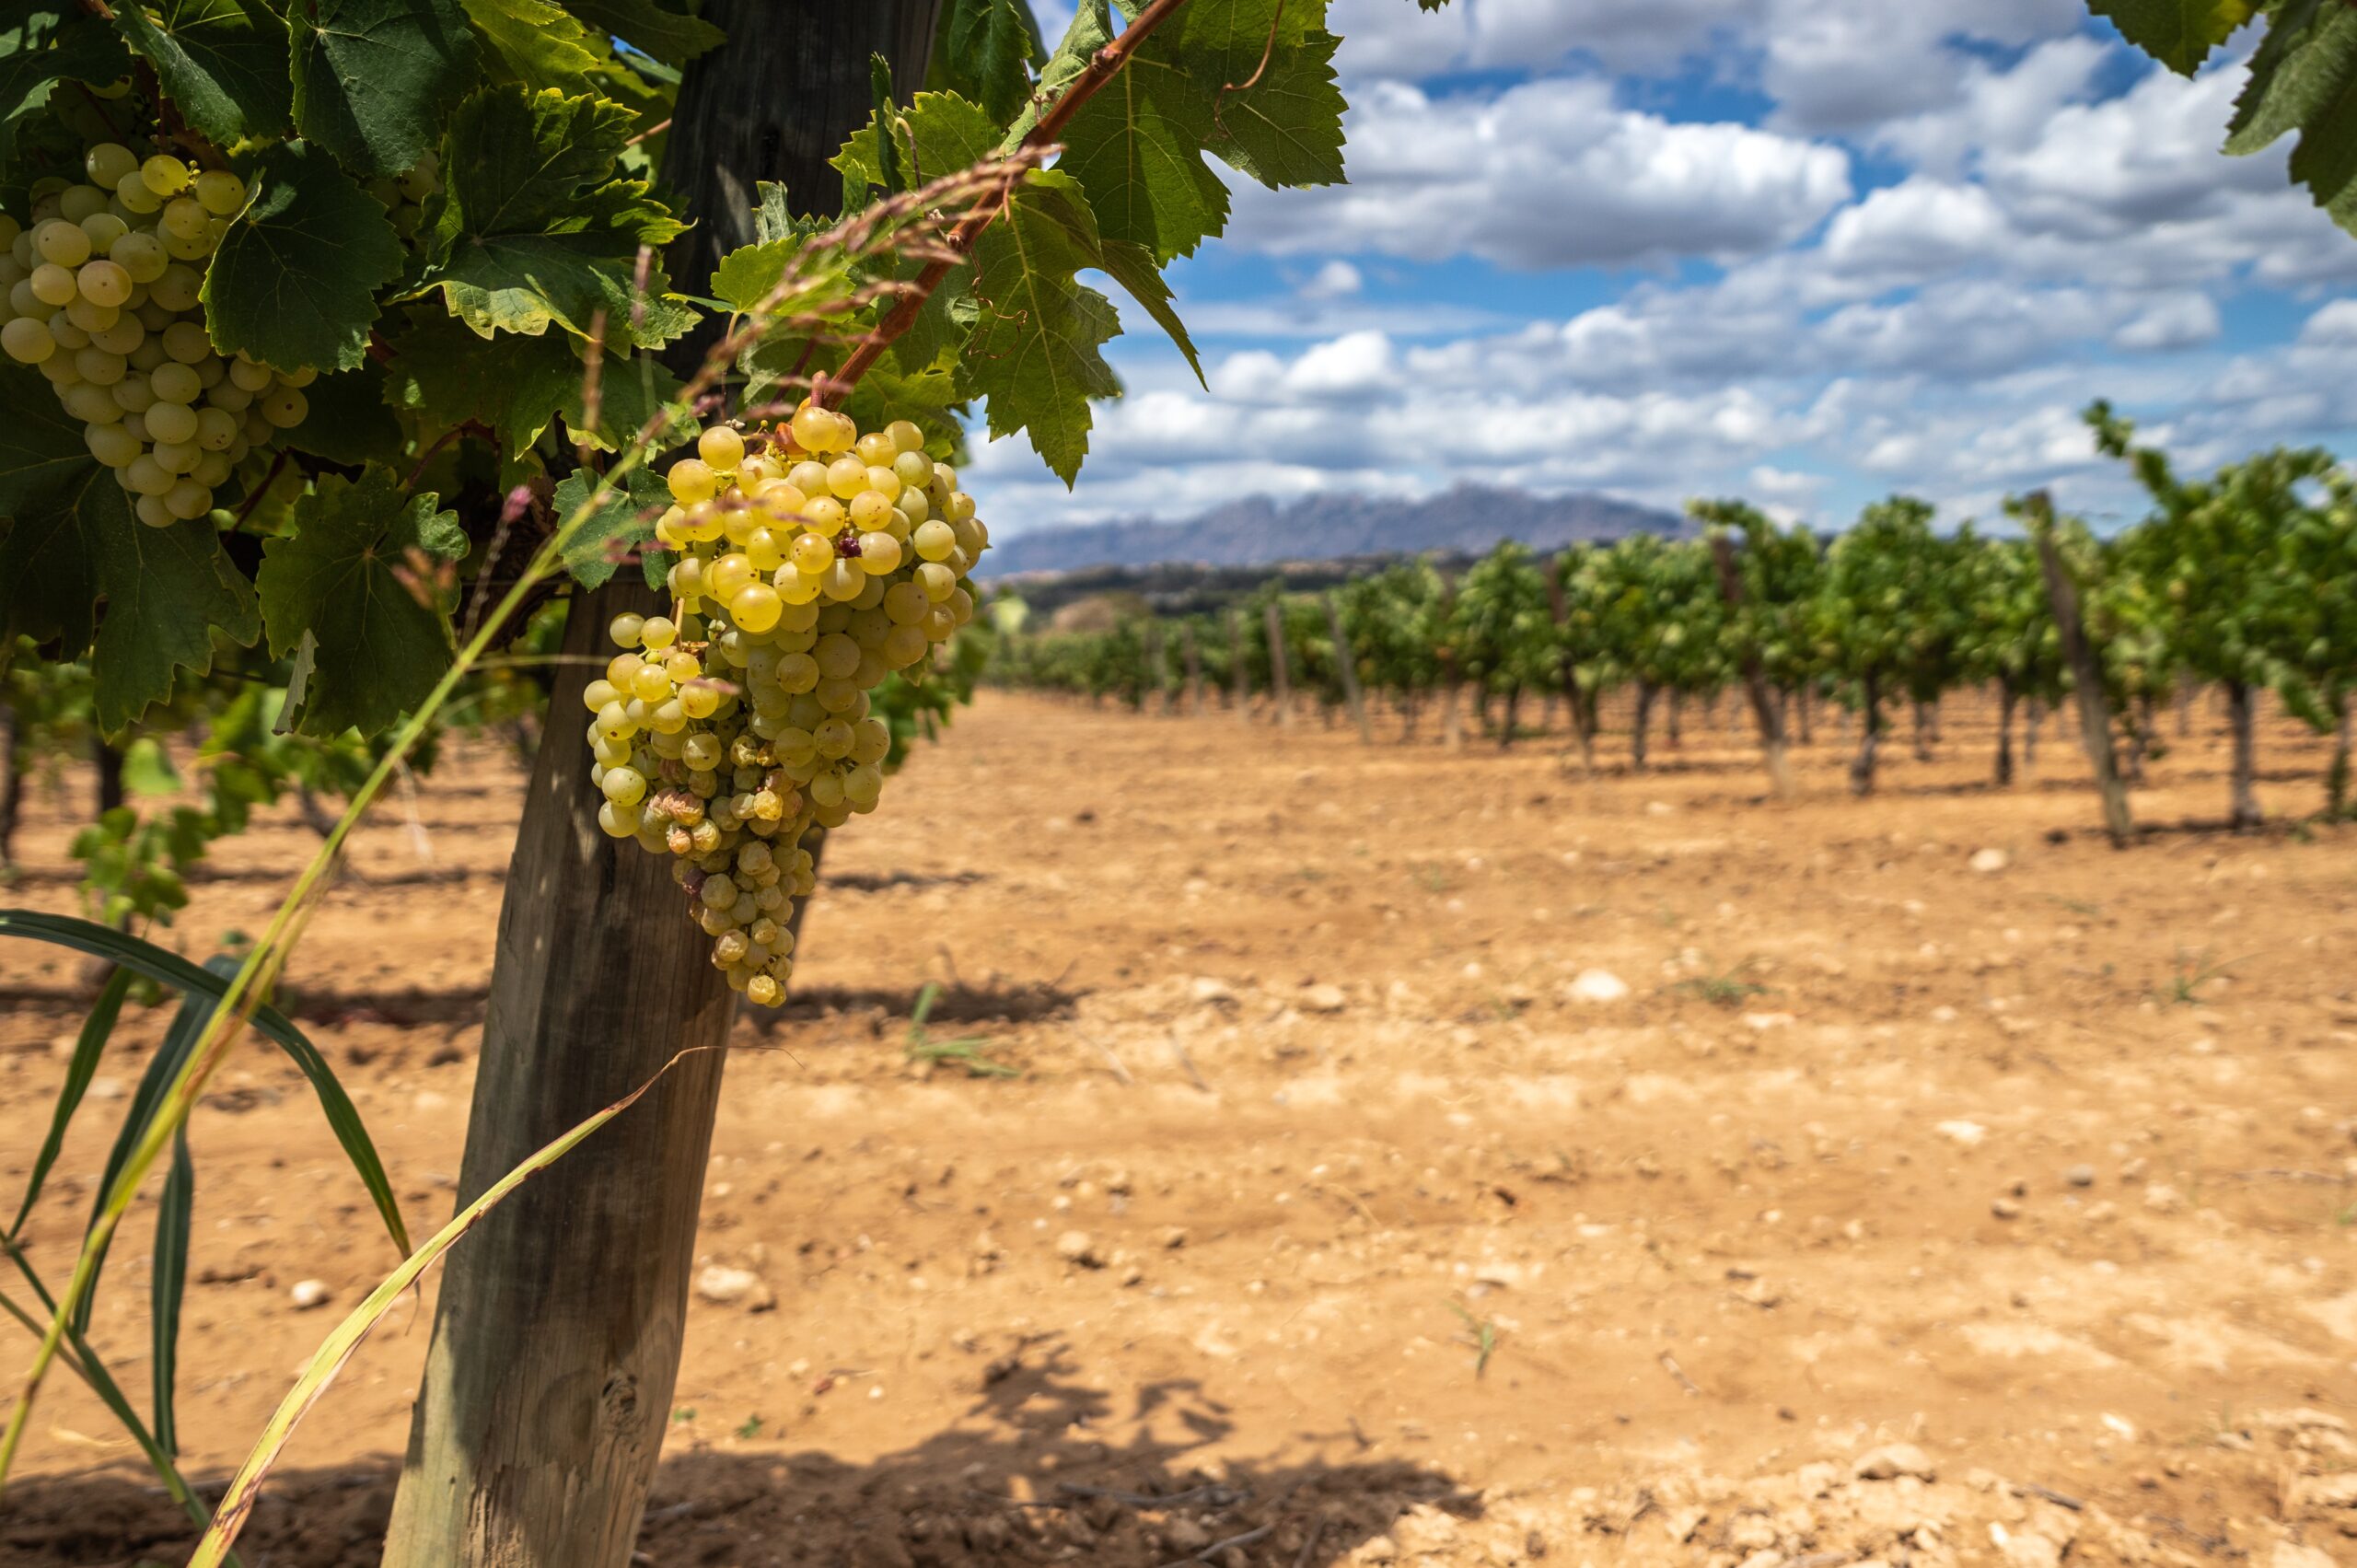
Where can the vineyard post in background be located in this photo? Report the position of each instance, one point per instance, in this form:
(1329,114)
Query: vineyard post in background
(558,1331)
(1346,664)
(1194,670)
(2086,672)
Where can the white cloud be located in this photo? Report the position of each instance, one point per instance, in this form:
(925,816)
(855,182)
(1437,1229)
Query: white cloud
(2174,321)
(1335,280)
(1854,65)
(1392,37)
(1551,173)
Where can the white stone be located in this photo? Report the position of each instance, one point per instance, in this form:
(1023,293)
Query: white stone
(309,1293)
(1597,985)
(1989,861)
(1971,1134)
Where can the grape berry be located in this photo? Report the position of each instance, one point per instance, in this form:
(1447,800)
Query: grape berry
(809,571)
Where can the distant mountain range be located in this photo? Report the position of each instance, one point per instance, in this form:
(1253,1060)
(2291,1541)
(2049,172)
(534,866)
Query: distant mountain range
(1258,531)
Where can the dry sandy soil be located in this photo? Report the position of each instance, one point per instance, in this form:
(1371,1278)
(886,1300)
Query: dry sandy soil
(1915,1204)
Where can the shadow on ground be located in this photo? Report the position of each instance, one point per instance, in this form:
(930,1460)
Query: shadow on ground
(1031,1473)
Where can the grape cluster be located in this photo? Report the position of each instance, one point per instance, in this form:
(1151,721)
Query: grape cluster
(809,569)
(100,294)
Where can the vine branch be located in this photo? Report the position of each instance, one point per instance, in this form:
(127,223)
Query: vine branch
(1100,69)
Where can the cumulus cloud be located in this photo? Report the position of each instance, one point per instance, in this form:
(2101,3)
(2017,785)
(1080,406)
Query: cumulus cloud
(1550,173)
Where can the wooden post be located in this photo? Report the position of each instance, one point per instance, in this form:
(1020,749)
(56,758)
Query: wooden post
(2095,707)
(1156,665)
(1641,724)
(1862,766)
(556,1340)
(1755,681)
(1280,677)
(2241,719)
(1346,662)
(2335,777)
(2006,700)
(1194,668)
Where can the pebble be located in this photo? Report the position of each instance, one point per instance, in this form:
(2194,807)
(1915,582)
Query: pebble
(1968,1133)
(2080,1176)
(1323,998)
(725,1286)
(1892,1460)
(2162,1199)
(2005,1208)
(1989,861)
(1078,1246)
(1597,985)
(309,1293)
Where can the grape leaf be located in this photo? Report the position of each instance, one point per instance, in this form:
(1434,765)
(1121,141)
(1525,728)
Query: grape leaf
(2304,77)
(650,27)
(1091,29)
(926,398)
(296,279)
(40,47)
(355,577)
(2178,33)
(1286,129)
(1133,266)
(374,79)
(1036,354)
(985,53)
(623,521)
(514,386)
(349,421)
(538,43)
(73,546)
(530,230)
(1136,147)
(222,63)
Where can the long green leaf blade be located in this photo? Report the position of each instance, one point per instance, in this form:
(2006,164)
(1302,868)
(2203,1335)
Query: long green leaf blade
(168,1283)
(169,968)
(87,1049)
(188,1025)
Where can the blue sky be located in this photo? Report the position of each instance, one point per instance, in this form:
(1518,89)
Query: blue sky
(1806,251)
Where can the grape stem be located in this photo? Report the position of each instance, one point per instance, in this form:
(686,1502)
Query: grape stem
(1100,69)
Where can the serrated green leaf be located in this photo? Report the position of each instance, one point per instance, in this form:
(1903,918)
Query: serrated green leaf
(537,44)
(222,63)
(1137,149)
(516,386)
(531,228)
(40,47)
(2281,90)
(1091,29)
(296,280)
(352,576)
(1286,129)
(2178,33)
(624,521)
(78,568)
(509,384)
(985,52)
(650,27)
(926,398)
(1133,266)
(2304,77)
(374,79)
(1036,353)
(349,422)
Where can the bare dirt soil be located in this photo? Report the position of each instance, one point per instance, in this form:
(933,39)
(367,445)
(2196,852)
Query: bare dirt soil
(1408,1156)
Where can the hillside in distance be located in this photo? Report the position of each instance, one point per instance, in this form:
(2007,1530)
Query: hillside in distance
(1258,531)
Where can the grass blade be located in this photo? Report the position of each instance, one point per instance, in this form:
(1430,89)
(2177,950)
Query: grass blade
(340,1344)
(127,952)
(95,1029)
(178,1040)
(168,1283)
